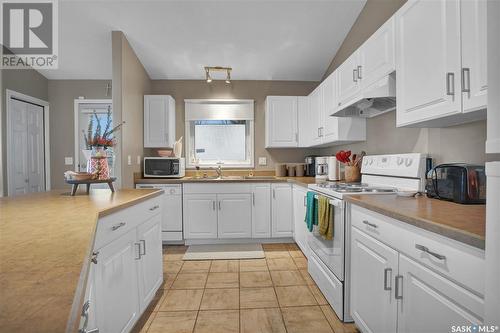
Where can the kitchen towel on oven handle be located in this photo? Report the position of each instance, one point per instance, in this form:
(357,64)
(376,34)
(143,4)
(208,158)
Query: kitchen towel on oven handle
(311,218)
(325,218)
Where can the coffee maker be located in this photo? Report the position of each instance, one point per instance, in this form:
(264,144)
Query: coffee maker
(310,166)
(322,167)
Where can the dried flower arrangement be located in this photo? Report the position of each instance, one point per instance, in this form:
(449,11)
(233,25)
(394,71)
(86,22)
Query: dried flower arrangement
(98,139)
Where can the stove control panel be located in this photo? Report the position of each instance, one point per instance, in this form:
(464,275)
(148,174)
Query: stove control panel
(398,165)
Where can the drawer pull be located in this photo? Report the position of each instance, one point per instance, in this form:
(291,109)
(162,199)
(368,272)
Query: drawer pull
(426,250)
(143,247)
(154,207)
(387,279)
(398,293)
(373,225)
(118,226)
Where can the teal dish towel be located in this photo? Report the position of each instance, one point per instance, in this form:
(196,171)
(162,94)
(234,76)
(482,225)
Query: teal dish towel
(311,211)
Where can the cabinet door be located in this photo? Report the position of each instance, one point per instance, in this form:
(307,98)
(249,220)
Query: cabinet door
(348,82)
(172,209)
(315,114)
(281,121)
(150,265)
(235,215)
(474,72)
(117,299)
(200,216)
(155,121)
(431,302)
(329,131)
(299,212)
(282,213)
(261,211)
(427,61)
(305,125)
(373,267)
(377,55)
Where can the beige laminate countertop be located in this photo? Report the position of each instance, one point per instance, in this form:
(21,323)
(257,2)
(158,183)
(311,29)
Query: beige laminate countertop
(464,223)
(303,181)
(45,244)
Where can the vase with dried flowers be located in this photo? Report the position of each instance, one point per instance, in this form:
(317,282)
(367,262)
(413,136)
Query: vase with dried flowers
(98,142)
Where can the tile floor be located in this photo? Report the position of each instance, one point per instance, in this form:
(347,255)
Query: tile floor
(274,295)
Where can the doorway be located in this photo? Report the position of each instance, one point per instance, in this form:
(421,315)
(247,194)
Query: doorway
(27,144)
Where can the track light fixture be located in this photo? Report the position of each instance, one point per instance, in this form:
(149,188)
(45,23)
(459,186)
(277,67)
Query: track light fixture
(218,68)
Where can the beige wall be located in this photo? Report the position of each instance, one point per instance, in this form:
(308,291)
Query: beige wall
(373,15)
(130,84)
(25,81)
(256,90)
(61,94)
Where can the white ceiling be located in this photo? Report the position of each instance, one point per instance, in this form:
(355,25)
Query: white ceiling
(261,40)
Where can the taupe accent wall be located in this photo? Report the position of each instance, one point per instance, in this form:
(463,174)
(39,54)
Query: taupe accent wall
(256,90)
(130,84)
(371,17)
(62,94)
(25,81)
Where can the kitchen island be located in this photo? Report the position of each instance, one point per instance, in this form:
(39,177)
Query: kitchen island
(46,243)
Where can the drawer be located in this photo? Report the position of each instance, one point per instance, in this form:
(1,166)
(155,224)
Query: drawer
(329,285)
(112,226)
(459,262)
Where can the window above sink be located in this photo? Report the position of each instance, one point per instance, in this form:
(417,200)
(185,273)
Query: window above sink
(219,132)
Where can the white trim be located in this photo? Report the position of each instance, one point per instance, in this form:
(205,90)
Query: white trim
(9,94)
(76,106)
(219,101)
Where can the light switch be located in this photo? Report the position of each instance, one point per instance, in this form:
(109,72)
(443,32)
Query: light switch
(262,161)
(129,160)
(68,160)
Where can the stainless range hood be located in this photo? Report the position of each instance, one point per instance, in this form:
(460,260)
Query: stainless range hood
(378,98)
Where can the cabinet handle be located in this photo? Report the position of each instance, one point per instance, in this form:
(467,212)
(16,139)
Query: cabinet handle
(138,250)
(450,84)
(93,259)
(219,205)
(118,226)
(398,293)
(253,199)
(143,241)
(154,207)
(355,75)
(373,225)
(426,250)
(359,73)
(466,80)
(387,279)
(274,193)
(305,200)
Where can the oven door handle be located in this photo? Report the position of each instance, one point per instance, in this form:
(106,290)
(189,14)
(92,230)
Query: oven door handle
(336,202)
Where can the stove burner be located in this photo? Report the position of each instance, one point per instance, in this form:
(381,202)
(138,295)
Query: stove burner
(355,188)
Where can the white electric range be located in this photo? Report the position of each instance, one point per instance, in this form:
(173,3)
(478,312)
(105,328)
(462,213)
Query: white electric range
(329,260)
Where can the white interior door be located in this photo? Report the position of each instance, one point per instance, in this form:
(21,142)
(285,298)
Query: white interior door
(26,144)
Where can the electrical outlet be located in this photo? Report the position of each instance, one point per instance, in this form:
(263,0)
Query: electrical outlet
(262,161)
(129,160)
(68,160)
(138,159)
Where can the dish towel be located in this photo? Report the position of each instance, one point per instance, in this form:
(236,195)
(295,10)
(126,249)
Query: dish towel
(311,218)
(325,218)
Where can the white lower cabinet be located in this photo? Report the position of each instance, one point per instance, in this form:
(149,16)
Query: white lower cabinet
(234,215)
(299,212)
(261,210)
(282,213)
(394,289)
(200,216)
(117,298)
(373,266)
(126,268)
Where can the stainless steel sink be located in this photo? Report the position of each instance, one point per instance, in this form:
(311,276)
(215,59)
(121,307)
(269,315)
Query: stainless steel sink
(260,177)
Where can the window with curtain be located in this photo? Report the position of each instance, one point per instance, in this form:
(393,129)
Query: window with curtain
(219,132)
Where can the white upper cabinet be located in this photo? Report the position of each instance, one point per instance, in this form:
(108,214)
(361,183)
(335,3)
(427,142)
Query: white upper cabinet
(429,69)
(330,126)
(474,76)
(377,55)
(281,121)
(159,121)
(316,116)
(348,83)
(305,125)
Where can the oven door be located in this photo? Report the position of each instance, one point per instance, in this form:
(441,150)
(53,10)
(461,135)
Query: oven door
(331,252)
(161,167)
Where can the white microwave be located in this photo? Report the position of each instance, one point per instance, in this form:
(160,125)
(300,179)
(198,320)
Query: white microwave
(164,167)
